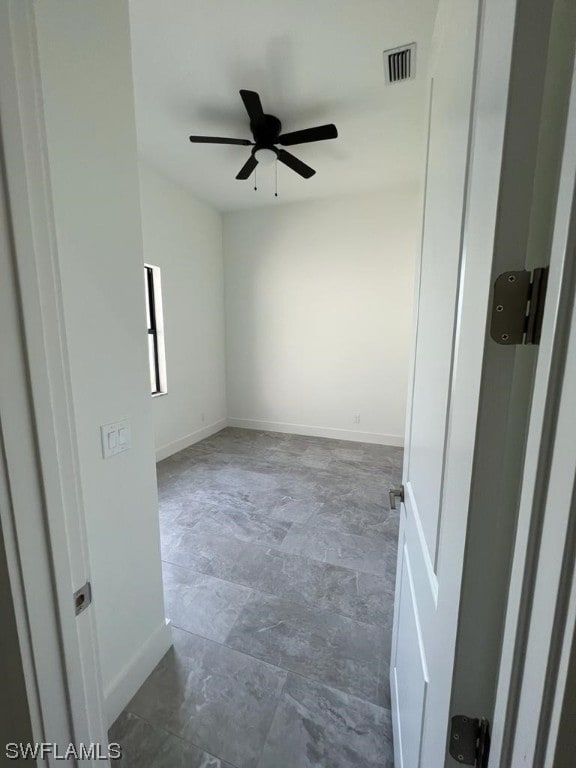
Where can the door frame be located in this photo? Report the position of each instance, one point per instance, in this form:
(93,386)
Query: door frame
(539,629)
(44,529)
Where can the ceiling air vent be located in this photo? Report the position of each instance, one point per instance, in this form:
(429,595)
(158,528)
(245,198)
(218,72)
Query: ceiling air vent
(400,64)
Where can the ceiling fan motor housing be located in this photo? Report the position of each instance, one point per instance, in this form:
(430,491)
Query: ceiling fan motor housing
(266,131)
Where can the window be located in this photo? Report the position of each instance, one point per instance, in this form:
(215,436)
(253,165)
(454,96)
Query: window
(156,355)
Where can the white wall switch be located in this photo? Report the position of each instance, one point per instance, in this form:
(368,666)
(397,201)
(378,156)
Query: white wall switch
(115,438)
(109,436)
(112,440)
(124,438)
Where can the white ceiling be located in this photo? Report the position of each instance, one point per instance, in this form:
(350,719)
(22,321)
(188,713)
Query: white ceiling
(312,62)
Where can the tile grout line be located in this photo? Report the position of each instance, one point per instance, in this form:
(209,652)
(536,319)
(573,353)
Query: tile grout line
(167,730)
(278,597)
(324,474)
(278,700)
(281,669)
(325,528)
(278,548)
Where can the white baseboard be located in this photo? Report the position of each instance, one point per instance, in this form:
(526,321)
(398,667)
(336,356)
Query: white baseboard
(119,692)
(330,432)
(187,440)
(278,426)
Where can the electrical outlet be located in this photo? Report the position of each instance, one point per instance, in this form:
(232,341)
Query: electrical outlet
(356,419)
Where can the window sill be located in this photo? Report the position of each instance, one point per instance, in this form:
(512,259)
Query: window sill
(159,394)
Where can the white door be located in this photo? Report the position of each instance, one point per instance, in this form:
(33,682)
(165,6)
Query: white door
(441,425)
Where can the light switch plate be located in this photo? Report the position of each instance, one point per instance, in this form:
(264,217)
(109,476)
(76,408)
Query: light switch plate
(116,438)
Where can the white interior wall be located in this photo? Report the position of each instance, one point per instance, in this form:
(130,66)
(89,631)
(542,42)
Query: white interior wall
(319,299)
(184,238)
(84,51)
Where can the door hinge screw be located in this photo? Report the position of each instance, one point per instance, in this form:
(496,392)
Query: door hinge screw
(518,306)
(469,740)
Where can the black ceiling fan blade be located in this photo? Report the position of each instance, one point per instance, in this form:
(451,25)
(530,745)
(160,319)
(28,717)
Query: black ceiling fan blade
(295,164)
(247,168)
(219,140)
(253,106)
(320,133)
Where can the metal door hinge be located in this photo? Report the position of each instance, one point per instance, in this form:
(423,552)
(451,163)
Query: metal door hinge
(469,741)
(395,493)
(82,598)
(518,306)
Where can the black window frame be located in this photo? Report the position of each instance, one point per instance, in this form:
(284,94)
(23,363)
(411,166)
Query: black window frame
(153,328)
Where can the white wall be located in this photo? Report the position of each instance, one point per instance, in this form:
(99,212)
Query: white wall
(319,300)
(84,53)
(184,238)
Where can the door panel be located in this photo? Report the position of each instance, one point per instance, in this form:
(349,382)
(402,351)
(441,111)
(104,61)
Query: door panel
(411,694)
(423,576)
(416,606)
(448,134)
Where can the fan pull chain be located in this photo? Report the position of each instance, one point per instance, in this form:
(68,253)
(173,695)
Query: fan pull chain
(276,188)
(255,179)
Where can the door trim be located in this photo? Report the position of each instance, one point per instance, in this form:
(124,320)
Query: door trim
(529,698)
(47,537)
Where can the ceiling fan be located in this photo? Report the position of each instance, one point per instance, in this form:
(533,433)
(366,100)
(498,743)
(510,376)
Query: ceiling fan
(266,130)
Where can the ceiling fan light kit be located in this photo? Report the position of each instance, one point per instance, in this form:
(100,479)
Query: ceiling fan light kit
(267,133)
(265,156)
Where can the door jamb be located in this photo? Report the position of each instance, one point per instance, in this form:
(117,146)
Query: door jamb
(46,536)
(531,731)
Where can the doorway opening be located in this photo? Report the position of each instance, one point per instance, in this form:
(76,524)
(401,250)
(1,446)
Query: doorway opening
(296,502)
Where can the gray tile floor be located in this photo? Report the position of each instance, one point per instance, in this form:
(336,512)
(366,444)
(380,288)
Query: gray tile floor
(279,553)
